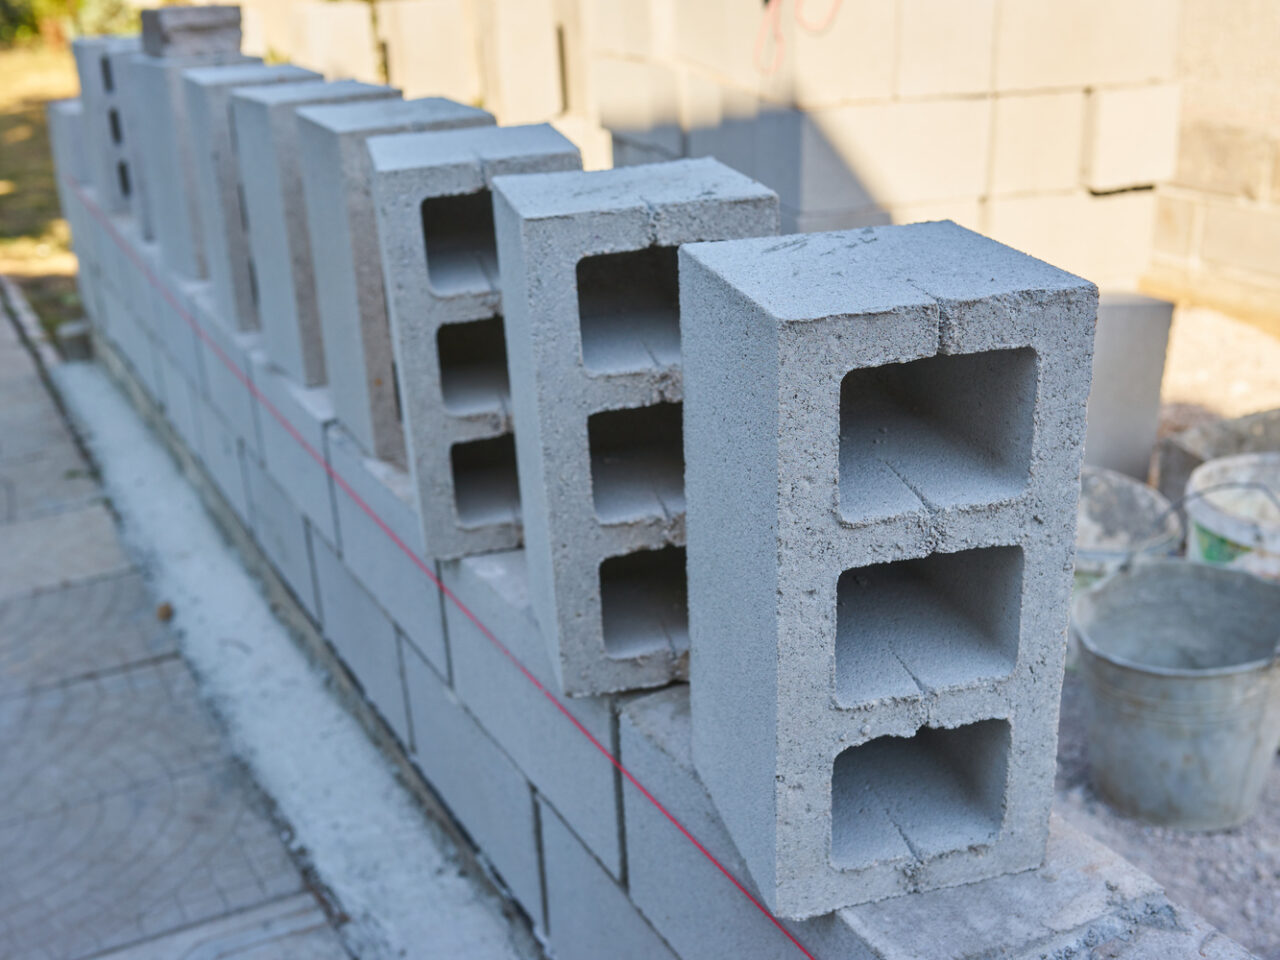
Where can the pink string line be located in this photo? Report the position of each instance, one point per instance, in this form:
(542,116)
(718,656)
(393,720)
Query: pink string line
(771,28)
(346,488)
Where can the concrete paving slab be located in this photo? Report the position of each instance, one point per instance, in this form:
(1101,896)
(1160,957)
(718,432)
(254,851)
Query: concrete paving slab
(49,482)
(57,550)
(43,640)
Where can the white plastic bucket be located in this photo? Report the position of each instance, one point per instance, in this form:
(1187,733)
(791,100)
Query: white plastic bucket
(1120,521)
(1233,513)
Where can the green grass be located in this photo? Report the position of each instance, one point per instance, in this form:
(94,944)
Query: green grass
(34,239)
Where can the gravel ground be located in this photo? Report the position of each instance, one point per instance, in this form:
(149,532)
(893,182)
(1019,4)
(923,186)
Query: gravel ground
(1231,878)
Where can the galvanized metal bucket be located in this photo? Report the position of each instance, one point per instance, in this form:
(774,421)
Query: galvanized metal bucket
(1120,521)
(1180,664)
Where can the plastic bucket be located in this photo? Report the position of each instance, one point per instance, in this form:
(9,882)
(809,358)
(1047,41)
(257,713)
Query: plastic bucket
(1179,662)
(1233,513)
(1120,520)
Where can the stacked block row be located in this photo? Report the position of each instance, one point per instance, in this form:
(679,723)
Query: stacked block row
(879,432)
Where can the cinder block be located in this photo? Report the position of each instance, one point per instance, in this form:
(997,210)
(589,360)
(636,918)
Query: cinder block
(134,119)
(853,58)
(485,791)
(72,169)
(1082,896)
(336,38)
(453,69)
(899,413)
(1037,142)
(220,452)
(362,634)
(520,60)
(180,403)
(279,527)
(104,130)
(1243,237)
(218,189)
(266,130)
(293,421)
(435,232)
(1128,367)
(1045,45)
(944,48)
(560,762)
(633,153)
(588,914)
(378,562)
(1132,137)
(167,154)
(1175,231)
(588,263)
(337,187)
(1223,158)
(226,363)
(199,31)
(173,310)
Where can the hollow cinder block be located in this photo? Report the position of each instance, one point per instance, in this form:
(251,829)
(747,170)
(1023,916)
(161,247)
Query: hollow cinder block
(344,247)
(435,231)
(100,96)
(195,31)
(590,293)
(883,432)
(219,193)
(167,154)
(266,132)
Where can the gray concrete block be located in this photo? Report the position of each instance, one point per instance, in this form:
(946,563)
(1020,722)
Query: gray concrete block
(1083,895)
(387,572)
(336,181)
(134,122)
(221,453)
(363,635)
(1128,367)
(280,529)
(435,231)
(479,784)
(588,914)
(218,189)
(68,144)
(172,304)
(105,152)
(198,31)
(559,761)
(168,155)
(227,369)
(181,399)
(266,131)
(588,264)
(899,415)
(307,413)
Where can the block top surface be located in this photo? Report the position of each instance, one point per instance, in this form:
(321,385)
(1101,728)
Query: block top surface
(359,118)
(410,151)
(245,74)
(548,195)
(872,269)
(108,44)
(196,29)
(318,91)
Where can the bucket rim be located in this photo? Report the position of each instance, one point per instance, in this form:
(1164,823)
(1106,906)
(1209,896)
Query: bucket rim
(1149,569)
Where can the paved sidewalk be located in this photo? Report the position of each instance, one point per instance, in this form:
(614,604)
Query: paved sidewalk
(127,831)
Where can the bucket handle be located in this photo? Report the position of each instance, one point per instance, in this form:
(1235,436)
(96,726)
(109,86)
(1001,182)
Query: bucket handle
(1175,508)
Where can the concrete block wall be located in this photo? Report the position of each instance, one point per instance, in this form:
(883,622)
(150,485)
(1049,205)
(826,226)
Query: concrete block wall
(578,848)
(900,414)
(105,145)
(588,265)
(266,130)
(338,190)
(432,197)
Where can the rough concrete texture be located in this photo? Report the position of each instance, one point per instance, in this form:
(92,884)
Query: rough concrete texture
(562,764)
(1083,896)
(337,187)
(218,190)
(266,131)
(588,263)
(105,151)
(899,413)
(1181,453)
(307,413)
(167,154)
(363,635)
(1128,367)
(477,781)
(197,31)
(376,560)
(588,914)
(435,231)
